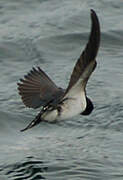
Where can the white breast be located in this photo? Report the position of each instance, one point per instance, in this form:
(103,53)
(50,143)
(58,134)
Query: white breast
(50,116)
(73,106)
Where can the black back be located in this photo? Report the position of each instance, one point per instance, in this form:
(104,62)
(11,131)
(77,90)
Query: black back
(89,107)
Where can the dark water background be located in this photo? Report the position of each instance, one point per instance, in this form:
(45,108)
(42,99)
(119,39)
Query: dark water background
(51,34)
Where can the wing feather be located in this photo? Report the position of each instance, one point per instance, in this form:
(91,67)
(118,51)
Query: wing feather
(86,63)
(37,89)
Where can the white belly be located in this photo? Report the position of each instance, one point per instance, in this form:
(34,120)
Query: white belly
(73,106)
(50,116)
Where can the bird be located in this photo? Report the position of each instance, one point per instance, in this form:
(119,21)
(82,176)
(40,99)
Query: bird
(37,90)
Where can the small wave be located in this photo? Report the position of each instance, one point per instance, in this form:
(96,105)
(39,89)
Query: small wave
(29,169)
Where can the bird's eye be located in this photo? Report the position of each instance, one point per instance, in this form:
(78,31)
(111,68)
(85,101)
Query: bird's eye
(45,108)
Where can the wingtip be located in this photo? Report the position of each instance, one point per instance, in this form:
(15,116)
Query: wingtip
(95,32)
(92,11)
(93,14)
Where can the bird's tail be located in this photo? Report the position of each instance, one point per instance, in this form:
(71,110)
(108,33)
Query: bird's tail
(36,121)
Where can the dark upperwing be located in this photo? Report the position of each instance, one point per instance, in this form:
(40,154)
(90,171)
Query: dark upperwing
(37,89)
(86,63)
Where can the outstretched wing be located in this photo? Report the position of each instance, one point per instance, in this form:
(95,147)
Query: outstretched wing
(37,89)
(86,63)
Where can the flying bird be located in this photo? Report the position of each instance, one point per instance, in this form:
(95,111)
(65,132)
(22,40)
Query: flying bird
(37,90)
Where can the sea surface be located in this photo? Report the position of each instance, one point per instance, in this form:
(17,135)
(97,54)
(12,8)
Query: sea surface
(52,34)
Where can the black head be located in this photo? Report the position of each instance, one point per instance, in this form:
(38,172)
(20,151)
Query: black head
(89,107)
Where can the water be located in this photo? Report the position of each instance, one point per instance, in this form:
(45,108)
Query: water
(51,34)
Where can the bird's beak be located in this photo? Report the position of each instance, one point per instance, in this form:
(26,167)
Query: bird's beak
(36,121)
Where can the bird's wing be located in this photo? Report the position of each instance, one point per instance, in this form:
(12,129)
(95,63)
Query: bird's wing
(37,89)
(86,63)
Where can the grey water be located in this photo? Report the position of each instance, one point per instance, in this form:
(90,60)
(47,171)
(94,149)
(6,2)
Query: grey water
(52,34)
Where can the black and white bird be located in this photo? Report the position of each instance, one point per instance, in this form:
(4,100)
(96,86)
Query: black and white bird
(38,90)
